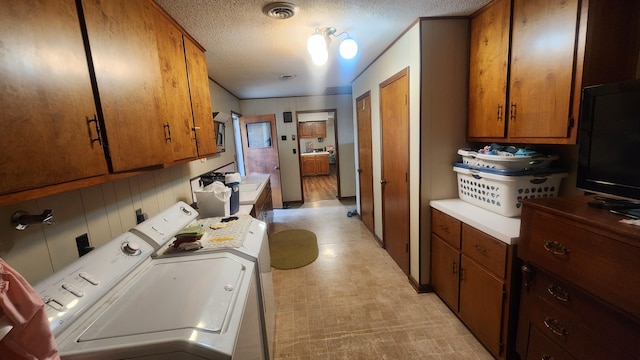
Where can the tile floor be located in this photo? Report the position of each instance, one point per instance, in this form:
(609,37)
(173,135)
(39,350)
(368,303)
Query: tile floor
(354,302)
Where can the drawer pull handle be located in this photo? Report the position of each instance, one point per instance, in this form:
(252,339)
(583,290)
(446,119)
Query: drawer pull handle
(556,248)
(547,357)
(559,292)
(444,228)
(480,249)
(555,326)
(454,268)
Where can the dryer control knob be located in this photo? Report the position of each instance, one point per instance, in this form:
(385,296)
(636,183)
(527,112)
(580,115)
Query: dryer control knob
(131,248)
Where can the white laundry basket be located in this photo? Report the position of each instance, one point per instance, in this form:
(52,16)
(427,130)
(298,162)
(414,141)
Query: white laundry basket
(502,162)
(501,193)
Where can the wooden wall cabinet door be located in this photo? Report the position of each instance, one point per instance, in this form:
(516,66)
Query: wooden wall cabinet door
(176,113)
(312,129)
(49,136)
(488,66)
(542,59)
(129,83)
(200,98)
(319,129)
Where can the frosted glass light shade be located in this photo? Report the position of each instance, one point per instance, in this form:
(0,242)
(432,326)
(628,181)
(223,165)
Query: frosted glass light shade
(316,43)
(348,48)
(320,57)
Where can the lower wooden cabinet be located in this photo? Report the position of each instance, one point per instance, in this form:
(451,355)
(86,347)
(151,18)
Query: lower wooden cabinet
(263,207)
(472,273)
(315,164)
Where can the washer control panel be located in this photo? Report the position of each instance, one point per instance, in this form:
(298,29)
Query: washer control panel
(69,292)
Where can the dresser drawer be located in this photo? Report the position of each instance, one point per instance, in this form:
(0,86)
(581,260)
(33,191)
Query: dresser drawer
(620,330)
(541,348)
(583,257)
(446,227)
(570,335)
(485,250)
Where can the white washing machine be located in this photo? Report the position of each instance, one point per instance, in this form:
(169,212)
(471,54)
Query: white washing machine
(117,303)
(247,238)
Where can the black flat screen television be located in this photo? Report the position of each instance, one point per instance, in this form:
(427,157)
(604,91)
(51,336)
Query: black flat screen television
(609,140)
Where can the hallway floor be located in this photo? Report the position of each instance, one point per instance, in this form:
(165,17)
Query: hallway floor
(354,302)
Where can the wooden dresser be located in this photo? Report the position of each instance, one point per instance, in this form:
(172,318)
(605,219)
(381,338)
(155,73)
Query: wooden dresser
(580,296)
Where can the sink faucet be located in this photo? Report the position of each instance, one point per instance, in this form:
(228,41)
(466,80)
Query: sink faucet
(22,219)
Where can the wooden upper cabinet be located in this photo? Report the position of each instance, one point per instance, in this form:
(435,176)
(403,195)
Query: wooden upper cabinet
(489,58)
(557,47)
(200,98)
(129,83)
(312,129)
(46,98)
(176,113)
(542,58)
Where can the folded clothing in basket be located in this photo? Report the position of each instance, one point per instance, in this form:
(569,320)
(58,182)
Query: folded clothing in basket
(505,162)
(506,172)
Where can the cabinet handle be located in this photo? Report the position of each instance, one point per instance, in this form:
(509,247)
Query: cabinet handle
(555,326)
(559,292)
(461,273)
(454,268)
(499,112)
(167,132)
(547,357)
(98,134)
(556,248)
(480,249)
(444,228)
(527,276)
(512,116)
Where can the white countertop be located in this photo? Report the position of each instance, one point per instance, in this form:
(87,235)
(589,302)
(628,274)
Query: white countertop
(250,197)
(315,153)
(503,228)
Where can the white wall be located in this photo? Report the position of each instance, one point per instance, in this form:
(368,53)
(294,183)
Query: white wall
(404,53)
(102,211)
(435,51)
(289,162)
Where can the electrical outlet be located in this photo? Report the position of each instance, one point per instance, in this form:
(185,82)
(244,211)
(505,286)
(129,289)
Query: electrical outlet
(82,243)
(140,216)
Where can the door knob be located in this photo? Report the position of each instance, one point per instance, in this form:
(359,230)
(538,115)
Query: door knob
(383,181)
(359,170)
(276,167)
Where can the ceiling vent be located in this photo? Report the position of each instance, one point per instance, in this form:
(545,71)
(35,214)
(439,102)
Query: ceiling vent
(280,10)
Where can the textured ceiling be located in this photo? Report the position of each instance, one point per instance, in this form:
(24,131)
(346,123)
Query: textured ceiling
(247,52)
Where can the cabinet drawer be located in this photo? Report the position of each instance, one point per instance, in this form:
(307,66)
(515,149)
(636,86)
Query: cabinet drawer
(446,227)
(569,334)
(585,258)
(619,330)
(484,249)
(540,347)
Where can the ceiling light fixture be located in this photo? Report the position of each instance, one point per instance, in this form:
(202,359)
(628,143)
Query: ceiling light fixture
(318,44)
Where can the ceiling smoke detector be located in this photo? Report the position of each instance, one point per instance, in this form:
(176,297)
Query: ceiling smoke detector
(280,10)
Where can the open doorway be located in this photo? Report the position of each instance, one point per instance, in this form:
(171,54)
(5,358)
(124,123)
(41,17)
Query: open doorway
(319,158)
